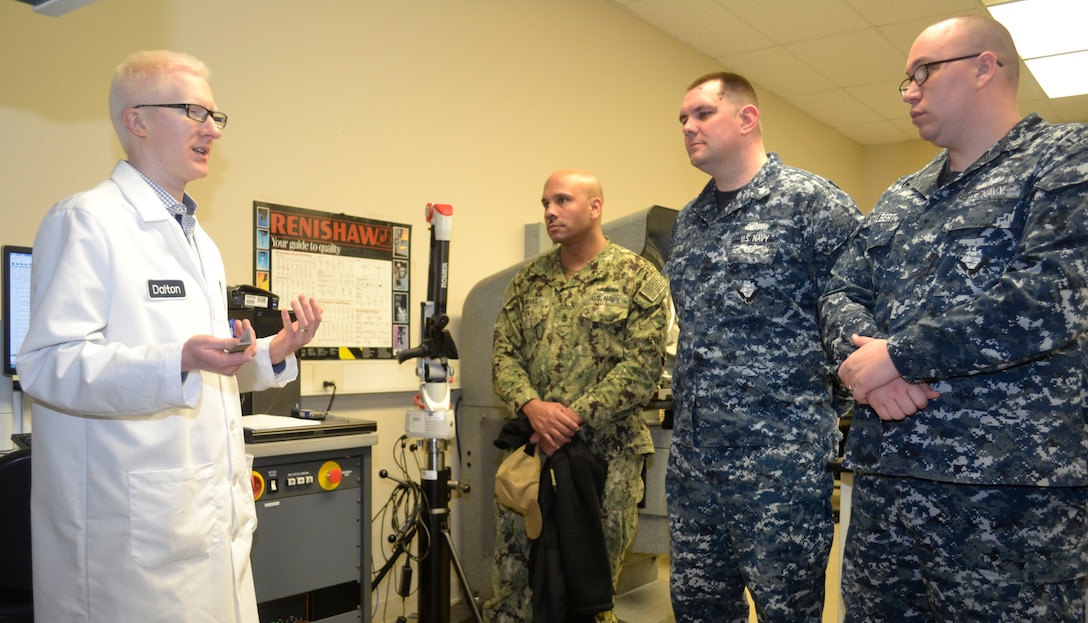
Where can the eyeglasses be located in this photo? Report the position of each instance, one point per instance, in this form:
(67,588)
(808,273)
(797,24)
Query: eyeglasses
(196,112)
(921,73)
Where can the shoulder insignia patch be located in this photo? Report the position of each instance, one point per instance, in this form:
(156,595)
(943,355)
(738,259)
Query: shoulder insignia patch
(652,291)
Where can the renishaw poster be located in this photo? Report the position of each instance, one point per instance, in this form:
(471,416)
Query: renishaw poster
(357,268)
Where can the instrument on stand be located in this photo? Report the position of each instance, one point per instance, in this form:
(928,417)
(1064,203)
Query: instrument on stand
(433,421)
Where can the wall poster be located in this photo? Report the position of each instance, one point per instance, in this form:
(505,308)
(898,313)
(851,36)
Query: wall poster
(357,268)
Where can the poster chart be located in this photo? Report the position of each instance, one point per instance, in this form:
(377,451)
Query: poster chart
(357,268)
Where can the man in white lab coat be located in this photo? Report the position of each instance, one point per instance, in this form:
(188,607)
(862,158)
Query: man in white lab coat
(142,506)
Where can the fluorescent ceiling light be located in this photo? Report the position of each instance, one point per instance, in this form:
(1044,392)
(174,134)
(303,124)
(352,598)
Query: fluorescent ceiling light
(1050,37)
(1066,74)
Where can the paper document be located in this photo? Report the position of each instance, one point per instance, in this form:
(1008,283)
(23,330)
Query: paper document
(263,421)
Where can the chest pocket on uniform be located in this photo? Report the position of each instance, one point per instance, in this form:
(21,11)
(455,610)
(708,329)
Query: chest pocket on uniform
(981,238)
(605,316)
(534,319)
(754,243)
(880,237)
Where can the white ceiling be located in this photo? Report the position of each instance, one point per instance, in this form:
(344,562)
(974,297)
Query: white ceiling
(840,61)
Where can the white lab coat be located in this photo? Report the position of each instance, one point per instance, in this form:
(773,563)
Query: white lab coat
(142,506)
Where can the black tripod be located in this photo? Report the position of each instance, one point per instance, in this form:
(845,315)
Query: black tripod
(436,550)
(434,423)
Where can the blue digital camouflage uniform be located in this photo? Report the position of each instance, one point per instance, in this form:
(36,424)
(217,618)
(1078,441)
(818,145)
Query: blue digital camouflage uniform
(980,286)
(596,343)
(756,419)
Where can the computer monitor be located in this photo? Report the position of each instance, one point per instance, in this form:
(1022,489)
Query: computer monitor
(16,301)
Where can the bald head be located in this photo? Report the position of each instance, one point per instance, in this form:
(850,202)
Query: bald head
(967,101)
(573,205)
(980,33)
(586,183)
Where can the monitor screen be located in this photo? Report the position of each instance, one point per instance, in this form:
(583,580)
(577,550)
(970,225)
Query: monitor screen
(16,299)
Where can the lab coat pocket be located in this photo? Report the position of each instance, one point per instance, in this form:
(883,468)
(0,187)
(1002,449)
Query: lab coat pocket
(173,515)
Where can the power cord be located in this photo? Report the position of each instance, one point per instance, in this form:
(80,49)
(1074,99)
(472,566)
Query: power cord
(402,513)
(326,385)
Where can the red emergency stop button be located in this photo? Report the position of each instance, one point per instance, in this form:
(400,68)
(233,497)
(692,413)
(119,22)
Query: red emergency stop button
(330,475)
(257,481)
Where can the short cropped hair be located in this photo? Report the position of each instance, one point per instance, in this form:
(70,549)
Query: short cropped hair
(140,79)
(733,86)
(985,33)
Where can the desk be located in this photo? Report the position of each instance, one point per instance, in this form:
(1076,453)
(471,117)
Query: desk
(311,551)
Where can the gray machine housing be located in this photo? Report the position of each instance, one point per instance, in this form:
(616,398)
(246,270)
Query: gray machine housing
(482,414)
(311,551)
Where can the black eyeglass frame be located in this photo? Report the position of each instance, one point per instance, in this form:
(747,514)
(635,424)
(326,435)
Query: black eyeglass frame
(924,70)
(196,112)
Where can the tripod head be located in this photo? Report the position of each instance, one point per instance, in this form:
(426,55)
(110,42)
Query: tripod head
(437,341)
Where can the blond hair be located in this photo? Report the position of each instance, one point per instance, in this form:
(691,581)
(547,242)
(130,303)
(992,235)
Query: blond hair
(141,78)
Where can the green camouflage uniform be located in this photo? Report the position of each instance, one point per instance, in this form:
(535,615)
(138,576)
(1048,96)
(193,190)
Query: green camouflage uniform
(595,343)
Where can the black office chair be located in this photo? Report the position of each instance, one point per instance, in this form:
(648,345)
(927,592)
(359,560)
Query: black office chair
(16,596)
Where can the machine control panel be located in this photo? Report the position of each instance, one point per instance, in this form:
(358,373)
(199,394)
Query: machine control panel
(292,479)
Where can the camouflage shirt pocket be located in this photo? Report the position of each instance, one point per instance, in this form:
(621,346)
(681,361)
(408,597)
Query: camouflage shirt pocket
(534,319)
(605,320)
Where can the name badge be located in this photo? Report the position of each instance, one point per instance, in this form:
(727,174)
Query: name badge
(166,289)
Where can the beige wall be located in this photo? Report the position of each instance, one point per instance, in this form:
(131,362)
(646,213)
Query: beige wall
(884,164)
(377,107)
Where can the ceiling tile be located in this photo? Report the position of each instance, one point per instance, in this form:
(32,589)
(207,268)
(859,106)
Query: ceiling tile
(902,34)
(777,70)
(788,21)
(836,108)
(850,59)
(907,127)
(884,98)
(881,12)
(703,24)
(875,133)
(802,49)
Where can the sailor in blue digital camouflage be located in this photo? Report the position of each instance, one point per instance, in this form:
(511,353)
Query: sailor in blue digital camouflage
(579,347)
(959,315)
(755,409)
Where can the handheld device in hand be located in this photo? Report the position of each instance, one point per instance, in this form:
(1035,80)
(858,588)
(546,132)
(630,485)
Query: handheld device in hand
(247,339)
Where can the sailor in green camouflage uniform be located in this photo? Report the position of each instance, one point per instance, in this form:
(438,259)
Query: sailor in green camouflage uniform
(960,315)
(579,348)
(756,420)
